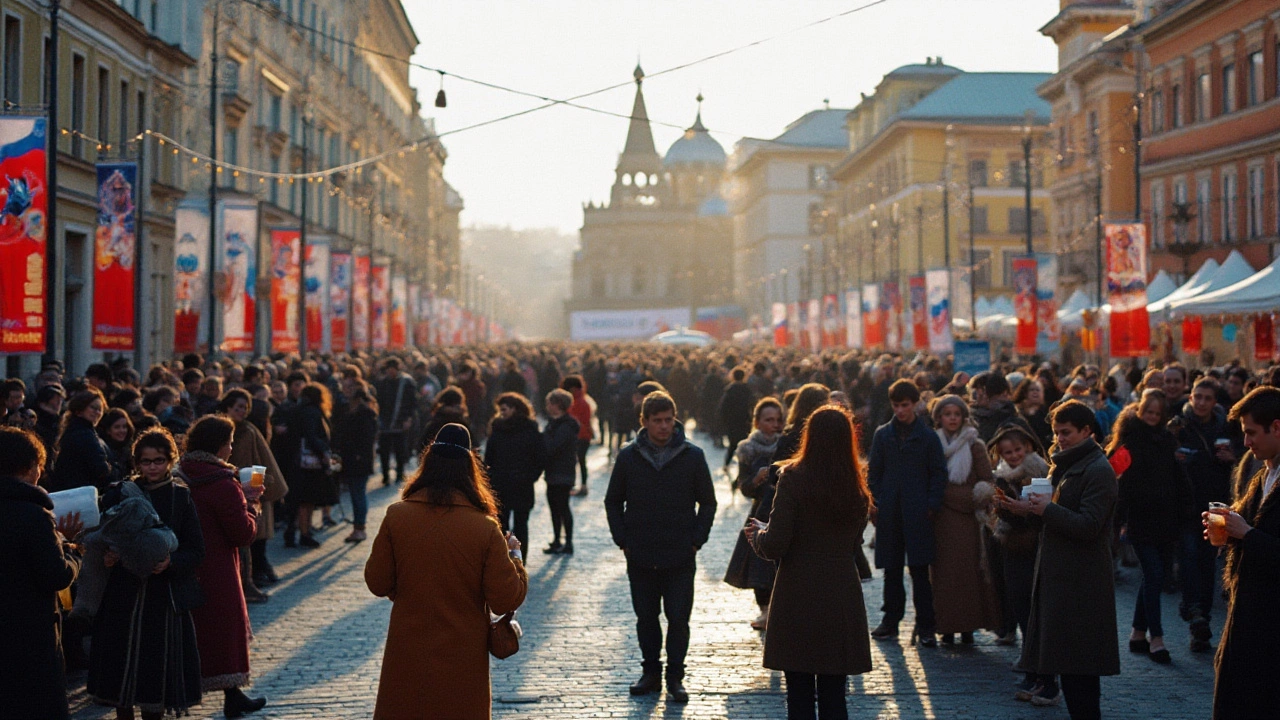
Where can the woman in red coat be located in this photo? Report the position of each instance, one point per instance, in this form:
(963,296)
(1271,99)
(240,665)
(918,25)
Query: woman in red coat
(228,518)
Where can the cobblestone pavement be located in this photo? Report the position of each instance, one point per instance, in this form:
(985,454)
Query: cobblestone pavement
(318,642)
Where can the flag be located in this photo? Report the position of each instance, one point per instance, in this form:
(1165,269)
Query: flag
(238,245)
(1192,334)
(23,310)
(1048,329)
(115,243)
(778,321)
(1127,290)
(919,313)
(286,281)
(315,285)
(1024,303)
(853,318)
(872,325)
(340,300)
(937,292)
(191,277)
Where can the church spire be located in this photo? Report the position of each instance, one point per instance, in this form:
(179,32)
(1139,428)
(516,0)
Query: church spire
(639,134)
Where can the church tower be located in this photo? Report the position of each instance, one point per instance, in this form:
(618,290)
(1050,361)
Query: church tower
(636,179)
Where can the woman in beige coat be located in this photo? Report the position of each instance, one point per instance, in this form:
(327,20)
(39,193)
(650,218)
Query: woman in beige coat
(442,560)
(250,448)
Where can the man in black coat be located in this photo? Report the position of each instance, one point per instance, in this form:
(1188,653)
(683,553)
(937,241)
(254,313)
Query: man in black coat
(1244,684)
(735,411)
(661,503)
(397,406)
(36,562)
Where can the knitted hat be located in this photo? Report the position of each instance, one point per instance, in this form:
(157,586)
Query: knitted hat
(453,442)
(935,410)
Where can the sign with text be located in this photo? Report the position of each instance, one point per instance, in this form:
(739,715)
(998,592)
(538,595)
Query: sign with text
(115,242)
(23,310)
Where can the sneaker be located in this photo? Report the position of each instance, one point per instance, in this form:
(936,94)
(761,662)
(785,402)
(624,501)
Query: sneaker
(552,549)
(308,542)
(1047,696)
(1026,689)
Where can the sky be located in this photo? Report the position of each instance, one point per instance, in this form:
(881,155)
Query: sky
(537,170)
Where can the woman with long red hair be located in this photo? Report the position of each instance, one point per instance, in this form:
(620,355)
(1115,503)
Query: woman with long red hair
(818,632)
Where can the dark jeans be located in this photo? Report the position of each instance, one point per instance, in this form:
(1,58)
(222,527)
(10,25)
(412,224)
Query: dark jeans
(733,448)
(1199,568)
(388,443)
(1146,613)
(358,486)
(895,597)
(828,690)
(516,521)
(1083,694)
(583,446)
(561,515)
(258,555)
(668,591)
(763,595)
(1019,572)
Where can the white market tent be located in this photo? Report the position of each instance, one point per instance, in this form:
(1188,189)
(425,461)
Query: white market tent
(1160,287)
(1190,288)
(981,308)
(1260,292)
(1234,269)
(1074,304)
(1003,305)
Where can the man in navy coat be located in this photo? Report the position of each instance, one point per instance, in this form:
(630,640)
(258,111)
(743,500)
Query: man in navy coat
(907,474)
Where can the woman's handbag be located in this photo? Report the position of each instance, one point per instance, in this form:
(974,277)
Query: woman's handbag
(504,636)
(308,459)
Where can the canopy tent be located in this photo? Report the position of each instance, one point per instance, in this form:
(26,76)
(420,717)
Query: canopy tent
(1260,292)
(1074,304)
(1002,305)
(1190,288)
(1160,287)
(981,308)
(1234,269)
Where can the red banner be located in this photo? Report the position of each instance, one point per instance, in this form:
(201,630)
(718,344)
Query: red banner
(360,325)
(191,277)
(1024,304)
(778,320)
(891,314)
(1127,290)
(286,282)
(114,246)
(380,299)
(339,299)
(832,333)
(919,313)
(239,291)
(1192,335)
(23,313)
(399,312)
(1264,343)
(872,318)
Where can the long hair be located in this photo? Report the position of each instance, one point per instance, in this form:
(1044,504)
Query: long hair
(811,397)
(318,395)
(444,477)
(79,400)
(829,464)
(1130,420)
(111,417)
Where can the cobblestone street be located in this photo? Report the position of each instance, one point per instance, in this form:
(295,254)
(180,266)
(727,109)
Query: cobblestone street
(319,640)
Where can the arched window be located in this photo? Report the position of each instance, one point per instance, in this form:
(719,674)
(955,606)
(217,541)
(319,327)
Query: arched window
(626,178)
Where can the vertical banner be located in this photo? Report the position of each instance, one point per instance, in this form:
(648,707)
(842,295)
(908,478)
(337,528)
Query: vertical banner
(114,243)
(286,281)
(1192,335)
(802,328)
(853,318)
(238,245)
(1024,304)
(399,312)
(961,295)
(190,277)
(1048,329)
(1127,290)
(814,324)
(414,315)
(23,314)
(919,313)
(360,299)
(831,335)
(795,330)
(316,284)
(339,300)
(891,314)
(1264,344)
(937,291)
(778,321)
(380,300)
(872,327)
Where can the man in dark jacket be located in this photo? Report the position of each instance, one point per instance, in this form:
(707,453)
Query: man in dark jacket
(907,474)
(661,503)
(1244,682)
(735,412)
(35,563)
(397,405)
(1206,452)
(560,439)
(990,403)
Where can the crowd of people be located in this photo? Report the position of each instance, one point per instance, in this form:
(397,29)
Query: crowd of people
(1011,498)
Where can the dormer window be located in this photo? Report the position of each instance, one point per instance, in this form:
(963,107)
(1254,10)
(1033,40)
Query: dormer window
(641,179)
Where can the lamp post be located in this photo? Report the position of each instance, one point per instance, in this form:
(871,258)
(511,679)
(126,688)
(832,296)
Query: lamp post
(920,238)
(1182,216)
(1028,119)
(875,228)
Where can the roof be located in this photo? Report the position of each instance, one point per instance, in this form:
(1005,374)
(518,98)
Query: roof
(817,128)
(984,96)
(639,134)
(927,69)
(696,146)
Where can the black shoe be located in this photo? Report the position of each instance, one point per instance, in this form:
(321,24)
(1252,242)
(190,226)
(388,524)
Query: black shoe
(1140,647)
(676,692)
(553,549)
(328,523)
(649,682)
(291,538)
(567,549)
(949,639)
(927,640)
(308,542)
(1160,656)
(966,638)
(885,631)
(1201,646)
(254,596)
(237,704)
(1026,688)
(1200,628)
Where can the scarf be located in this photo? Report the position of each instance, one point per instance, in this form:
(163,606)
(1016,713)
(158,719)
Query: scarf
(756,445)
(1033,466)
(959,464)
(199,468)
(1064,459)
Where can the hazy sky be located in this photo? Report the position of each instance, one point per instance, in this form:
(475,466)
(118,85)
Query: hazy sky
(537,170)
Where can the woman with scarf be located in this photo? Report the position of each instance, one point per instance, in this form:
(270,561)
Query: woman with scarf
(747,570)
(116,430)
(964,592)
(228,517)
(144,650)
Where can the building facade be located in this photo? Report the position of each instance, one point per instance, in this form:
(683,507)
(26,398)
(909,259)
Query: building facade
(662,246)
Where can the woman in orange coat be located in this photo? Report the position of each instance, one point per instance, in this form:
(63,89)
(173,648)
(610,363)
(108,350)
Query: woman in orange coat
(442,560)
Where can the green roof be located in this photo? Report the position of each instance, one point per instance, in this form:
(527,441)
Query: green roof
(983,96)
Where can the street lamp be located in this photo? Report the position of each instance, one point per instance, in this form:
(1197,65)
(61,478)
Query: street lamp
(1027,121)
(1182,216)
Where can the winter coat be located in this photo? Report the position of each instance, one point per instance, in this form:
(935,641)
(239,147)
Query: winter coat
(35,563)
(474,392)
(512,381)
(1155,496)
(132,529)
(581,411)
(444,415)
(227,523)
(964,592)
(746,568)
(710,391)
(817,620)
(908,476)
(444,568)
(661,502)
(516,456)
(1018,535)
(144,649)
(560,441)
(397,402)
(1244,685)
(248,448)
(1210,477)
(313,487)
(1072,629)
(990,418)
(735,410)
(83,458)
(1038,421)
(355,433)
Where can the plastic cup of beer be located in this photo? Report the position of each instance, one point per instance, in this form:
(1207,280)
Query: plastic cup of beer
(259,476)
(1216,523)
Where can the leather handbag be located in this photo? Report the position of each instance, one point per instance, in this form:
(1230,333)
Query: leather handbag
(504,636)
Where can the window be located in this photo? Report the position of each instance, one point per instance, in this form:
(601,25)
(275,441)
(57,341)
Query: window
(1157,214)
(12,60)
(981,262)
(637,281)
(1018,221)
(1203,110)
(980,220)
(819,177)
(1094,133)
(1229,197)
(1229,88)
(1180,199)
(1204,202)
(104,106)
(1256,74)
(77,102)
(273,192)
(978,173)
(1064,146)
(1157,112)
(1254,207)
(275,105)
(231,146)
(1175,99)
(124,113)
(597,287)
(1017,174)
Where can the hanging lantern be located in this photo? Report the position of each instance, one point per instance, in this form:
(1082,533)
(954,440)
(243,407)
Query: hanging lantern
(1192,335)
(440,99)
(1263,342)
